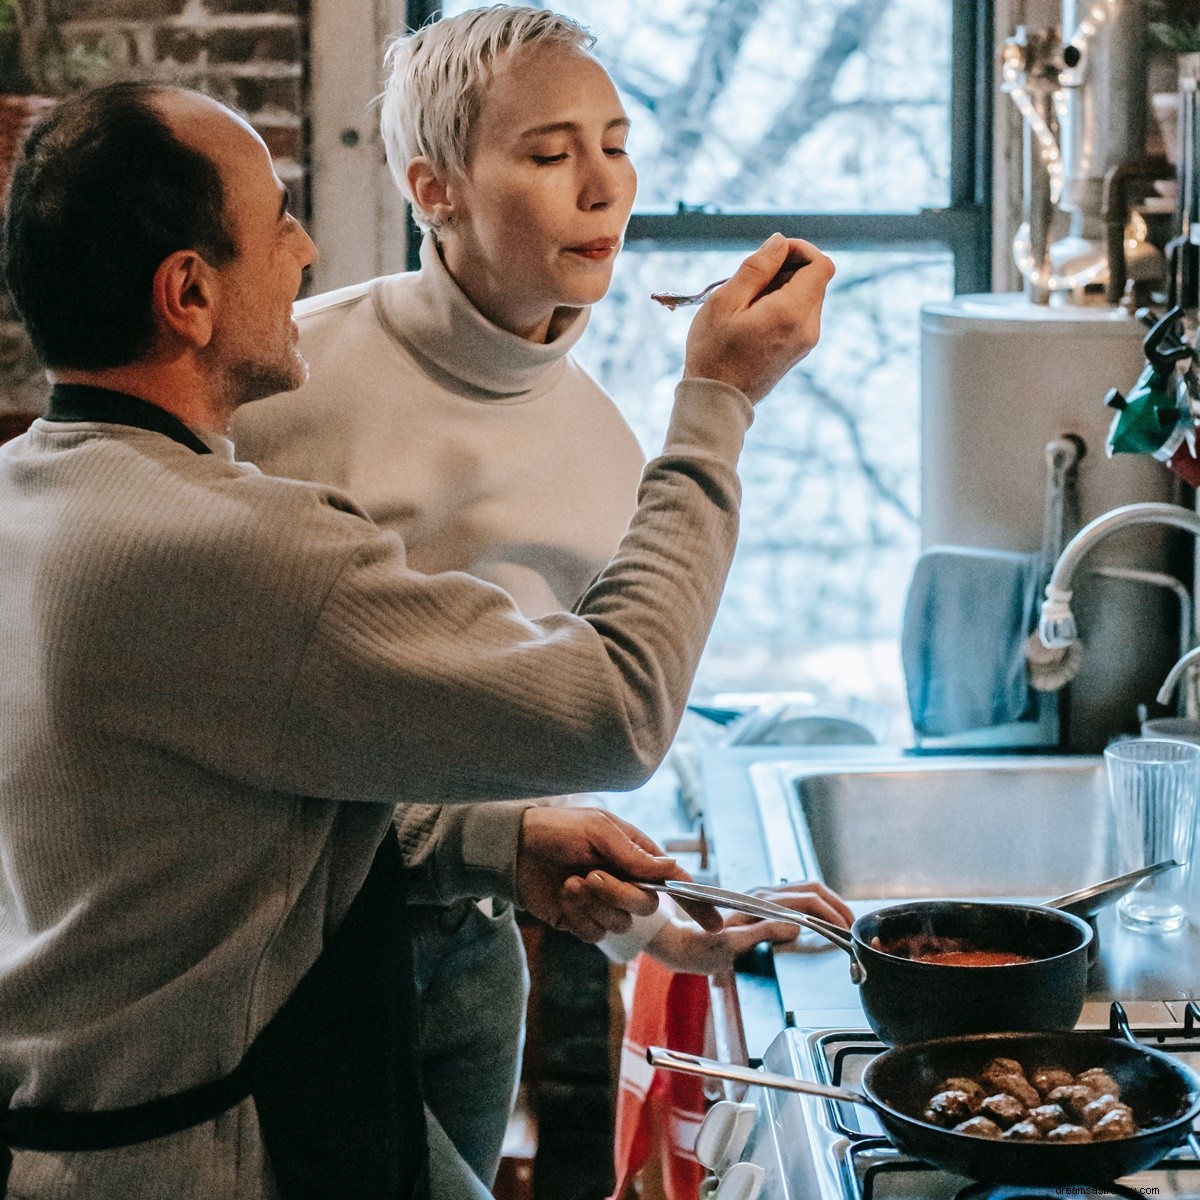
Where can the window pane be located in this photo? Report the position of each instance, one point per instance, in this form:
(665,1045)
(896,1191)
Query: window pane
(831,469)
(781,105)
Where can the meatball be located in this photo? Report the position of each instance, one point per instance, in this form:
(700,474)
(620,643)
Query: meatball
(1069,1133)
(1098,1107)
(973,1091)
(1004,1109)
(949,1108)
(980,1127)
(1100,1081)
(1116,1123)
(1023,1131)
(1046,1079)
(1047,1117)
(1072,1099)
(1006,1075)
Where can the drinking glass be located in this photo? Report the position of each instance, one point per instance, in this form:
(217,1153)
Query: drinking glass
(1152,785)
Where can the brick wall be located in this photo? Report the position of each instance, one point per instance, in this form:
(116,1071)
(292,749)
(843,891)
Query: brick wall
(248,53)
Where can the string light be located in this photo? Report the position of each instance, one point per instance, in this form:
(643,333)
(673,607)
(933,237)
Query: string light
(1023,257)
(1014,79)
(1088,28)
(1047,143)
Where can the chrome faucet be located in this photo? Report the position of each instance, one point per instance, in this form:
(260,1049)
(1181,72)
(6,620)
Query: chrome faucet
(1172,680)
(1056,627)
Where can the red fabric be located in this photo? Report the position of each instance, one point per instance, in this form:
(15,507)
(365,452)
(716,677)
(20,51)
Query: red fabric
(671,1010)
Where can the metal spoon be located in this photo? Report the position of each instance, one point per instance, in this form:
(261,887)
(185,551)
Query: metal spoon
(674,300)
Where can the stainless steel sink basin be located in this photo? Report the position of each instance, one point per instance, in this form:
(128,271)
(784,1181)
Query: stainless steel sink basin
(1031,827)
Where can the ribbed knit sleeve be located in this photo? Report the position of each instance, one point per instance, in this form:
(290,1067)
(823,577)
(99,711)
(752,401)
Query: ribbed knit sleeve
(419,688)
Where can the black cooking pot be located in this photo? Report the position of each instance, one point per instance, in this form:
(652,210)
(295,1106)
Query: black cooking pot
(897,1084)
(907,1000)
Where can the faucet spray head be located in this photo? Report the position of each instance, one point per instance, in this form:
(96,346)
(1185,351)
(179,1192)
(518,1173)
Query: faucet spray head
(1056,627)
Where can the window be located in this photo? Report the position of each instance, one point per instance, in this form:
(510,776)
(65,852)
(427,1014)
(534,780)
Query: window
(862,126)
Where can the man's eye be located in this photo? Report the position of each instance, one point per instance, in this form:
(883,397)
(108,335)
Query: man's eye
(616,151)
(543,160)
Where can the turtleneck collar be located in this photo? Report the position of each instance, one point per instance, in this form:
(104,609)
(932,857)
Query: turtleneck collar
(429,314)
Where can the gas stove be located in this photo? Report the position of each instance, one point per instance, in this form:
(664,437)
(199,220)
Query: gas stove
(805,1148)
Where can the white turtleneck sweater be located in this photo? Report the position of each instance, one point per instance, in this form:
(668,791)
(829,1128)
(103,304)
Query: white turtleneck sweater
(485,452)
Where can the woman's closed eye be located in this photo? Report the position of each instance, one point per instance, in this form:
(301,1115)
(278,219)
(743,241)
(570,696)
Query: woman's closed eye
(545,160)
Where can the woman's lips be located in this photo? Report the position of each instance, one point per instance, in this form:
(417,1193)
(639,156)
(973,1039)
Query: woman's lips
(597,250)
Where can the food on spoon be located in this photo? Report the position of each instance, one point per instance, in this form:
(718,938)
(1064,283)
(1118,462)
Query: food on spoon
(1073,1099)
(1046,1079)
(980,1127)
(949,1108)
(1007,1075)
(1069,1133)
(1047,1117)
(1100,1081)
(1004,1109)
(1023,1131)
(1116,1123)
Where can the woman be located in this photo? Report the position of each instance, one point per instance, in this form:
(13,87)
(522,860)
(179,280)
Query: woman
(448,404)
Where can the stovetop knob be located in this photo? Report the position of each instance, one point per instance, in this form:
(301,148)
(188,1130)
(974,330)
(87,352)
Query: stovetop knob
(723,1134)
(743,1181)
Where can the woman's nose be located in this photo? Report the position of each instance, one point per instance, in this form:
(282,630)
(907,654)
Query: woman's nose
(600,187)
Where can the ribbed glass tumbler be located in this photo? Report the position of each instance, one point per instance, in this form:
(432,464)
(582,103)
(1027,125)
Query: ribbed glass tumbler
(1152,786)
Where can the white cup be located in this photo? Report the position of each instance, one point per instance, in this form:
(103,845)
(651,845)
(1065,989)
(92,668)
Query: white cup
(1153,785)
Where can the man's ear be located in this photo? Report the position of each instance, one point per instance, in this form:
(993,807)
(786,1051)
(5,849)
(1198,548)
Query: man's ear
(184,294)
(430,191)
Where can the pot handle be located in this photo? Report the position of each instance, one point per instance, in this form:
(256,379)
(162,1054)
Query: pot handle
(756,907)
(710,1068)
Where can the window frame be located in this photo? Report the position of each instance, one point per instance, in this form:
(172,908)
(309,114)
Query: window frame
(964,226)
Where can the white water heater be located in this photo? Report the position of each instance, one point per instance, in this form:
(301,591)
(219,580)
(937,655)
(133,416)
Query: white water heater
(1000,378)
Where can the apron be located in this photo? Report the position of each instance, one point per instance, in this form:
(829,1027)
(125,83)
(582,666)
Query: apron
(334,1074)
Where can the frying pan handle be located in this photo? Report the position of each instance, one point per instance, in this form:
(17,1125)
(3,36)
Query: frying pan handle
(710,1068)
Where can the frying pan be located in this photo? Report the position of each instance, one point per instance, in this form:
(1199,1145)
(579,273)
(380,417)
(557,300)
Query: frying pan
(897,1084)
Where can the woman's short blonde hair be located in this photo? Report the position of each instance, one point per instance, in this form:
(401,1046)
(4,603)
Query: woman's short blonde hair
(437,78)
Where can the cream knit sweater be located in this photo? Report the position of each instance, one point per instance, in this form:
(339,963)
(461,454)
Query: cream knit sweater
(486,452)
(216,687)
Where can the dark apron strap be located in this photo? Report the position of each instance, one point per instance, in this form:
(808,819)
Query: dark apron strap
(336,1078)
(334,1074)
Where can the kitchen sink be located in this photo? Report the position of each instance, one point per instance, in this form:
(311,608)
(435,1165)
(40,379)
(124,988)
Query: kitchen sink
(1028,826)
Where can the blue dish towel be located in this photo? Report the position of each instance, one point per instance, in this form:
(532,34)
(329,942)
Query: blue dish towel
(966,619)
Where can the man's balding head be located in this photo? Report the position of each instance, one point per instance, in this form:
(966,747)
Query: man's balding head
(108,186)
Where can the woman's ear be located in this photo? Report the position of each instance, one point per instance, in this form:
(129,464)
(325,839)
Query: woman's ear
(430,191)
(183,295)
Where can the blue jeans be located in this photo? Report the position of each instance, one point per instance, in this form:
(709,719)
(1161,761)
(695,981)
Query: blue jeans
(472,984)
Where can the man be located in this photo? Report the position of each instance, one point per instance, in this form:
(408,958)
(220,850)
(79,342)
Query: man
(218,685)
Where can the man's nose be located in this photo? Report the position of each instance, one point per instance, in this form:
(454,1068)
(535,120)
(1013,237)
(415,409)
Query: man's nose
(307,253)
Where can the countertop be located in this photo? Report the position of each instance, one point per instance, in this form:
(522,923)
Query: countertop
(810,987)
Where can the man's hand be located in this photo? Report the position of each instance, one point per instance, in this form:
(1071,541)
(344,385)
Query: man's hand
(752,330)
(559,846)
(684,947)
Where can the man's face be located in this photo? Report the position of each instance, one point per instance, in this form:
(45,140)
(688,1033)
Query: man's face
(541,210)
(254,348)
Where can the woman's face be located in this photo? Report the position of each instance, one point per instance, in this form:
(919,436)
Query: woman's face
(535,221)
